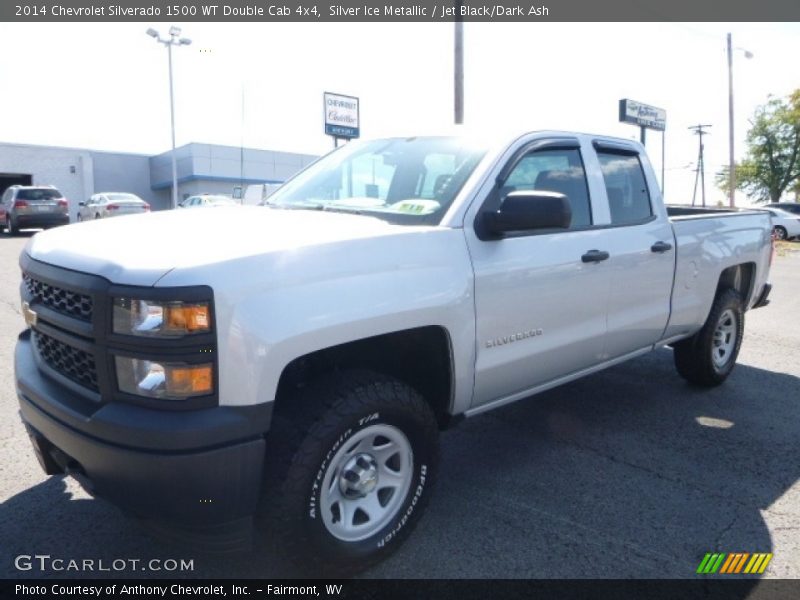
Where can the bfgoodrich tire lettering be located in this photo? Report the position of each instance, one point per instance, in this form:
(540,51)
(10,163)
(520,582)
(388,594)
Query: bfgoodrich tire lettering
(360,452)
(708,357)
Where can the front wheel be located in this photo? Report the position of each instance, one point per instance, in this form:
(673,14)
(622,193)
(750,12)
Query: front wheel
(355,476)
(708,357)
(780,232)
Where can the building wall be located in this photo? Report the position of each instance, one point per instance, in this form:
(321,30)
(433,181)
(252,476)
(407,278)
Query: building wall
(114,172)
(52,166)
(213,169)
(202,168)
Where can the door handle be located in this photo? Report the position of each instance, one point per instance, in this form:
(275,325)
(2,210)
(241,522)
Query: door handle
(595,256)
(661,247)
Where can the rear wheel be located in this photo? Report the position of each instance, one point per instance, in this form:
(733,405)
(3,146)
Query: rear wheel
(780,232)
(708,357)
(350,467)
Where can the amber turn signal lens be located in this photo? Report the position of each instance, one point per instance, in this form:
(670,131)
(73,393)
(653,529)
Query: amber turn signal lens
(189,381)
(187,317)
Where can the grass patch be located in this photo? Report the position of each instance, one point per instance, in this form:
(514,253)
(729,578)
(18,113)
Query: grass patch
(785,248)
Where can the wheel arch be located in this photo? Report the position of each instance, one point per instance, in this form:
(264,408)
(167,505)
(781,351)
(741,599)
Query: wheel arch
(422,357)
(740,278)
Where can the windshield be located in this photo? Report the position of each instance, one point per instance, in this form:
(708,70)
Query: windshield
(407,181)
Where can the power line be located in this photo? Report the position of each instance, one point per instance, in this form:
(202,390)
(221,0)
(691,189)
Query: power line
(699,130)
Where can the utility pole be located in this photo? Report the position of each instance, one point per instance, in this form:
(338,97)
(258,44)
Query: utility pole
(731,163)
(731,159)
(458,66)
(699,130)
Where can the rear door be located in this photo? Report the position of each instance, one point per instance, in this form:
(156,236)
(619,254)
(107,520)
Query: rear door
(540,305)
(642,249)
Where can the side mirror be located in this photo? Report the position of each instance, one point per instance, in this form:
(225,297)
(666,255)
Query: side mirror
(81,203)
(528,210)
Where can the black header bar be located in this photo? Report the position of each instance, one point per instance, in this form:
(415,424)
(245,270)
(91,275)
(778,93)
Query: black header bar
(366,11)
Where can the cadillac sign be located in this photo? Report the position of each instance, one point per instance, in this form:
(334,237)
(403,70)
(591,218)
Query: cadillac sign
(341,115)
(631,111)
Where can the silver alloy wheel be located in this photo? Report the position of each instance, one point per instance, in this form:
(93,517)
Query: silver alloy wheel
(724,340)
(366,482)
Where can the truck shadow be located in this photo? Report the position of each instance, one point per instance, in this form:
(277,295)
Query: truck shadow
(629,473)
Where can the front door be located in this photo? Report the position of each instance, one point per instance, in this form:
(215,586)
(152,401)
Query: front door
(541,304)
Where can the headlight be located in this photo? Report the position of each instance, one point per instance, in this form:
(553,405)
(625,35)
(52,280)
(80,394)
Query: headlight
(158,318)
(169,381)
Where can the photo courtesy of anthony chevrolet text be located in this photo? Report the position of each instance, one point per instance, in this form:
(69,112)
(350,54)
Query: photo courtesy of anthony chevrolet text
(399,298)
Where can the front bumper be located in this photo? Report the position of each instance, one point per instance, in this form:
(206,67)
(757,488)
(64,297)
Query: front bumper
(194,470)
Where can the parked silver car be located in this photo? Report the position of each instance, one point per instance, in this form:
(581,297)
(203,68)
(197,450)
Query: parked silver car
(111,204)
(207,201)
(785,225)
(33,206)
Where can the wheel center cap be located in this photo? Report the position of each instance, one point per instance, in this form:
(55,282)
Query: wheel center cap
(359,476)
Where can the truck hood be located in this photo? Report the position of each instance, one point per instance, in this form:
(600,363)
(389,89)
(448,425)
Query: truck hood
(140,249)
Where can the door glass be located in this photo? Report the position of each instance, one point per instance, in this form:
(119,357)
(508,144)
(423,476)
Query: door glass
(628,197)
(557,170)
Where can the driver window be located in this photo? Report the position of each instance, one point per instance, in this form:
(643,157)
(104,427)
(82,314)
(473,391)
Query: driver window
(557,170)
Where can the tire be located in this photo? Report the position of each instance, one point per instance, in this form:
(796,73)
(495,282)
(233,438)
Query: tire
(327,458)
(97,216)
(79,218)
(708,357)
(780,232)
(11,227)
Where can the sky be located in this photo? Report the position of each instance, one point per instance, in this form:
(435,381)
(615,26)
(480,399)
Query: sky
(104,86)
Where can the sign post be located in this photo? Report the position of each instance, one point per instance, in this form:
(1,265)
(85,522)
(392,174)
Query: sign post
(341,116)
(646,117)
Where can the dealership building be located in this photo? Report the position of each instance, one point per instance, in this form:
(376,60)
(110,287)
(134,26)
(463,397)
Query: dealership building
(202,169)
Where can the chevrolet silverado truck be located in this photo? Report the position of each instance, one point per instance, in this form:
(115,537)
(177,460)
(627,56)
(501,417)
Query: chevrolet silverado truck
(286,369)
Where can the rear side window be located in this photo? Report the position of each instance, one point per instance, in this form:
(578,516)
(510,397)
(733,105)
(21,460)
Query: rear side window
(628,196)
(42,194)
(556,170)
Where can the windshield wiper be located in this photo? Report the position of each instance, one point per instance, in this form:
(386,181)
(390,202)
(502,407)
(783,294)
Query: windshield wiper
(342,209)
(295,206)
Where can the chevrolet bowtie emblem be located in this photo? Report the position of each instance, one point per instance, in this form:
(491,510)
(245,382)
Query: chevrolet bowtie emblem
(29,315)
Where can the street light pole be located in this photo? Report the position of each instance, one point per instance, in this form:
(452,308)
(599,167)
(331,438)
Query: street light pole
(169,42)
(172,124)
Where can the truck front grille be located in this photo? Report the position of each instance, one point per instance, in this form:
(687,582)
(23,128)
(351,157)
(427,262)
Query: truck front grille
(75,364)
(59,299)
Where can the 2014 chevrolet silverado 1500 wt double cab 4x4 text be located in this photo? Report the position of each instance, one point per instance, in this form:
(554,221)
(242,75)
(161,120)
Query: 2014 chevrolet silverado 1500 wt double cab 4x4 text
(297,361)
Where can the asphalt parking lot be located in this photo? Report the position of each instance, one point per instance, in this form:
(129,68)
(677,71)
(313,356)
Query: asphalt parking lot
(629,473)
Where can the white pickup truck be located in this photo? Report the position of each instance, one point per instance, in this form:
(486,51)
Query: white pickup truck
(297,361)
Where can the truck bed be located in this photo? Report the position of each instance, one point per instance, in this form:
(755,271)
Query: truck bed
(683,211)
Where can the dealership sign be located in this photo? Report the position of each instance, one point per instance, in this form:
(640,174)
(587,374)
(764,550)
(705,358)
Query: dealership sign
(341,115)
(631,111)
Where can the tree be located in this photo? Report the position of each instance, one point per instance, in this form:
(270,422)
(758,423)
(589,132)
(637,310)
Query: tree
(772,163)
